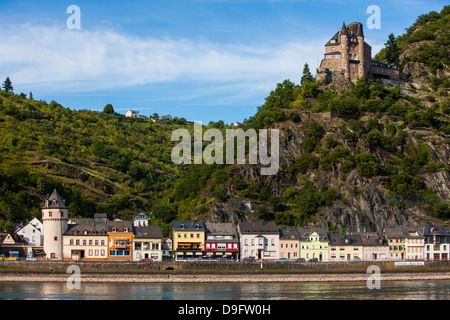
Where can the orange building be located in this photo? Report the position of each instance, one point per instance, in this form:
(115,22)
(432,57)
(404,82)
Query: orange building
(120,240)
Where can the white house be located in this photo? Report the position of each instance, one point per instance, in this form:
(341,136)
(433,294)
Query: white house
(415,242)
(147,243)
(32,233)
(259,240)
(134,114)
(140,219)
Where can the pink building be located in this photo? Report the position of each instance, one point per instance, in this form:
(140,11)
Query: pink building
(289,244)
(375,248)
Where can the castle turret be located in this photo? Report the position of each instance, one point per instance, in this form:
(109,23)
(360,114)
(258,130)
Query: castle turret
(55,221)
(345,49)
(360,36)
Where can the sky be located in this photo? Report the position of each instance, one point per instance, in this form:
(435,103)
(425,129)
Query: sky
(204,60)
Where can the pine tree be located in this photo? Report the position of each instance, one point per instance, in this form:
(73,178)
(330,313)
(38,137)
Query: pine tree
(108,109)
(7,85)
(31,95)
(307,76)
(392,50)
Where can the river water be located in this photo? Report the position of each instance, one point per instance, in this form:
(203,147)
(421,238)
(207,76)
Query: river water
(390,290)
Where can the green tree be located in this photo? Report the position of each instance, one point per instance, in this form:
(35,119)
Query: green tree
(392,50)
(108,109)
(7,85)
(307,76)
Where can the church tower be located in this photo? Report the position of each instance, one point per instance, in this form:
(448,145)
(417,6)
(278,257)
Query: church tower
(55,220)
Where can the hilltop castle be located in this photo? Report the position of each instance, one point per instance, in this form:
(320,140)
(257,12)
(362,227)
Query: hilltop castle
(348,56)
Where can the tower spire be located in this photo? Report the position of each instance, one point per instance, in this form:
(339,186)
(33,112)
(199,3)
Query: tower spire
(359,31)
(344,29)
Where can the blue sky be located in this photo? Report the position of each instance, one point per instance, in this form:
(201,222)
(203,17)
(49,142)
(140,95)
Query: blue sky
(202,60)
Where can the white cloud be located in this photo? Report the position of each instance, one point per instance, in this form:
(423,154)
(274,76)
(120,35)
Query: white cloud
(58,59)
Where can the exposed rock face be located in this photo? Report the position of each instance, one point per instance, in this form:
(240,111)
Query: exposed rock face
(365,203)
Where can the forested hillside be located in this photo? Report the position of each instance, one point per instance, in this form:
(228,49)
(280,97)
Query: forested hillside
(353,156)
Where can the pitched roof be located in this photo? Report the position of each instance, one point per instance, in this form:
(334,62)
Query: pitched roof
(120,226)
(148,232)
(86,226)
(372,240)
(359,30)
(306,231)
(344,28)
(430,230)
(289,234)
(220,228)
(395,232)
(14,239)
(347,240)
(259,227)
(55,201)
(188,225)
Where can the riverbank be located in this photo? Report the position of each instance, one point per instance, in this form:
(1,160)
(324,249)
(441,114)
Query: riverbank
(135,272)
(215,277)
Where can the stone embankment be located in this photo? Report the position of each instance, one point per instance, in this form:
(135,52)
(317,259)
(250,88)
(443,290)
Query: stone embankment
(204,272)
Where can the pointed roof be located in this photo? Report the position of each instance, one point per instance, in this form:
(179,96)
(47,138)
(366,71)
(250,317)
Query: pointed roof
(359,30)
(55,201)
(344,29)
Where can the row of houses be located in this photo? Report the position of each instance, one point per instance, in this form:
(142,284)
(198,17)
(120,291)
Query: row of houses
(264,241)
(59,237)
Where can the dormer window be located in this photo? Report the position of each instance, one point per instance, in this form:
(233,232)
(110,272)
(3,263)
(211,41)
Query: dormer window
(182,226)
(114,229)
(197,226)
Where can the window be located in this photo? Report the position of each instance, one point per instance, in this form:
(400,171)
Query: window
(198,235)
(50,214)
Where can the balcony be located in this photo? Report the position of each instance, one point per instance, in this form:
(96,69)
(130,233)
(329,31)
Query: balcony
(188,247)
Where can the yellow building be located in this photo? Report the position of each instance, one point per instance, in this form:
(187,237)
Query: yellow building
(313,244)
(345,248)
(188,239)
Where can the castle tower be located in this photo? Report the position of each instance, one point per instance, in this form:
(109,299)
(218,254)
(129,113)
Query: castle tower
(55,220)
(345,49)
(361,57)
